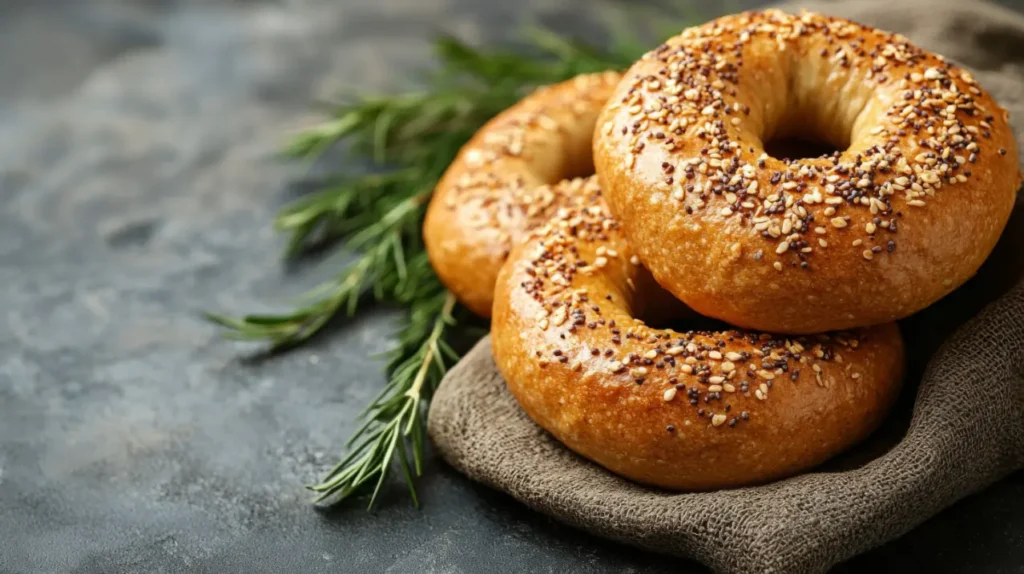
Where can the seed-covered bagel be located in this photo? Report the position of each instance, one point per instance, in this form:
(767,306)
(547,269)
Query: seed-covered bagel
(494,190)
(905,213)
(681,410)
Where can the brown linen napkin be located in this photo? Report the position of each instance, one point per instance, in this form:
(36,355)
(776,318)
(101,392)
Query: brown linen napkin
(966,423)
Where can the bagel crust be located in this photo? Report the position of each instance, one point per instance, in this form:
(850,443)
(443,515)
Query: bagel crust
(905,214)
(687,411)
(493,191)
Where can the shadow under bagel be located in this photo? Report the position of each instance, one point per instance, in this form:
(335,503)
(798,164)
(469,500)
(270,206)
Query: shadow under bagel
(926,331)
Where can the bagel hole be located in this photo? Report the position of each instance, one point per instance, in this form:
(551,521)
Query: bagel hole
(794,148)
(579,164)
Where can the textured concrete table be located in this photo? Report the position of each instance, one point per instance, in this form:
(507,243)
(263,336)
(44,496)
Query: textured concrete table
(137,183)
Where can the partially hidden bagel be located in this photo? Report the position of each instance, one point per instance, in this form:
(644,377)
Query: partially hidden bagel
(907,210)
(680,410)
(494,190)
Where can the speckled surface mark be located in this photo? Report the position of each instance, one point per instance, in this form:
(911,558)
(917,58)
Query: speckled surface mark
(137,185)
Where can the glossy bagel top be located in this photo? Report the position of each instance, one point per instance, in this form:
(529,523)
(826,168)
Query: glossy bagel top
(905,213)
(687,410)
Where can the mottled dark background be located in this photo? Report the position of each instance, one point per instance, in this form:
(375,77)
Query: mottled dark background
(137,183)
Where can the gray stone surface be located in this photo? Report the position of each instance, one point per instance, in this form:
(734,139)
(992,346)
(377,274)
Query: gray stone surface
(138,178)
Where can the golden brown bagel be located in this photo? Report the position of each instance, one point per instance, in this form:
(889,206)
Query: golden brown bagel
(493,190)
(692,411)
(905,214)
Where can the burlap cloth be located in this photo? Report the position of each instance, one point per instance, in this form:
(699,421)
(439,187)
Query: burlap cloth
(962,431)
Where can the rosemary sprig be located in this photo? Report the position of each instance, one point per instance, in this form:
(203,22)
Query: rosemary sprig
(411,138)
(395,417)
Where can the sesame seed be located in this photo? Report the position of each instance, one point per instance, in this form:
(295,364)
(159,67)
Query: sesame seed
(670,394)
(718,420)
(559,317)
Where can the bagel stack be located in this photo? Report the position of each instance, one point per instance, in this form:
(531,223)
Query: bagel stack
(808,261)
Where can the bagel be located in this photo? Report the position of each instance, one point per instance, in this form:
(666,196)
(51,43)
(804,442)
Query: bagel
(679,410)
(492,192)
(906,212)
